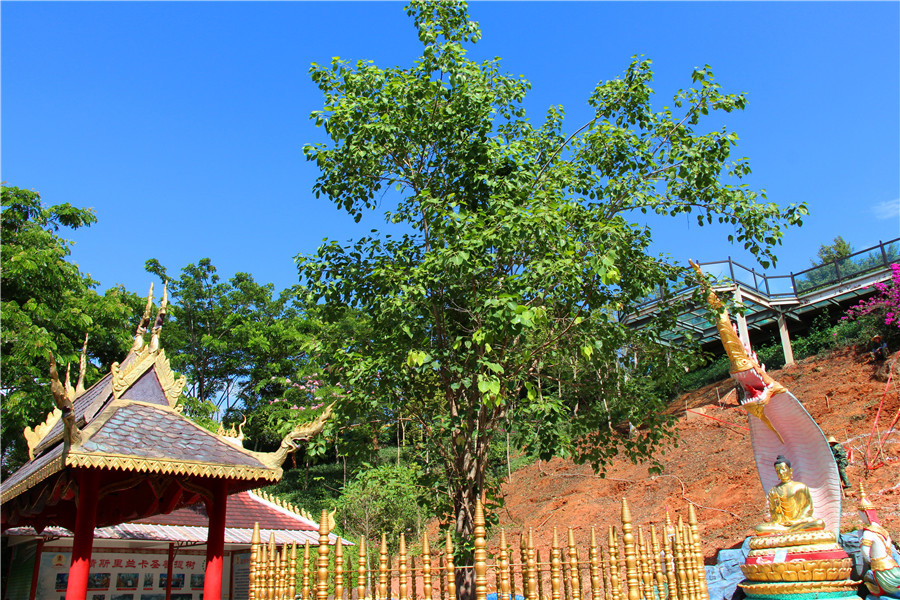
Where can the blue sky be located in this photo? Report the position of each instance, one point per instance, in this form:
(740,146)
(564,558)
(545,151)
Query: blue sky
(183,123)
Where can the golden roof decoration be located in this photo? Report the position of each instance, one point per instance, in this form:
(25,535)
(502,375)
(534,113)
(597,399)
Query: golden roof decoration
(142,325)
(233,436)
(34,436)
(864,502)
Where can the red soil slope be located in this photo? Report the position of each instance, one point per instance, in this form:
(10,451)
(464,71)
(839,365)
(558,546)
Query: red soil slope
(713,467)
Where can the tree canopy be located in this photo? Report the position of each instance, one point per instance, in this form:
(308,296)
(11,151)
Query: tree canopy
(501,293)
(48,304)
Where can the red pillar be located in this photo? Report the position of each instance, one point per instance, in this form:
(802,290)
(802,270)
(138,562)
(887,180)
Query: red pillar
(36,570)
(215,541)
(169,571)
(85,517)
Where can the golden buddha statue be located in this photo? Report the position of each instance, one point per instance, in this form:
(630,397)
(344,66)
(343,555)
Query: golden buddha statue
(790,504)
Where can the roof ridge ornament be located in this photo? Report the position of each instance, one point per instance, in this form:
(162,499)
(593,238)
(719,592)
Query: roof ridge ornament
(160,318)
(82,368)
(144,322)
(71,433)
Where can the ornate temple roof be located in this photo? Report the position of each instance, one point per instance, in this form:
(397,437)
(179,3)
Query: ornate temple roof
(127,425)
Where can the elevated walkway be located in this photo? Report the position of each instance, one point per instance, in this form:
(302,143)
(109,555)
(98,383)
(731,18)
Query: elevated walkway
(773,299)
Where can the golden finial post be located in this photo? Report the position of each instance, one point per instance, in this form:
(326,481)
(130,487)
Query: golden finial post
(480,553)
(451,569)
(631,570)
(657,562)
(292,573)
(615,582)
(254,557)
(277,580)
(404,589)
(680,566)
(306,572)
(427,588)
(523,561)
(555,568)
(644,567)
(262,571)
(594,562)
(698,551)
(322,563)
(383,590)
(531,589)
(539,574)
(361,569)
(338,570)
(574,575)
(503,566)
(270,553)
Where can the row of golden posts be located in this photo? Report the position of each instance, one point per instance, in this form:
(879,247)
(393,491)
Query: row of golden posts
(646,569)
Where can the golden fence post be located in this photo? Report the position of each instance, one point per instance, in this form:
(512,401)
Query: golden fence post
(383,570)
(261,593)
(338,570)
(540,574)
(451,570)
(361,569)
(594,565)
(270,572)
(615,581)
(254,555)
(442,567)
(480,553)
(285,570)
(523,563)
(688,553)
(531,589)
(322,563)
(680,571)
(669,549)
(657,562)
(698,551)
(404,589)
(427,590)
(604,571)
(503,567)
(574,575)
(631,570)
(554,567)
(649,564)
(276,580)
(306,573)
(564,573)
(292,573)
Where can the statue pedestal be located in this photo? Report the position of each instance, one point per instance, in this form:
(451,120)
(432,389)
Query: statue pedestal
(800,566)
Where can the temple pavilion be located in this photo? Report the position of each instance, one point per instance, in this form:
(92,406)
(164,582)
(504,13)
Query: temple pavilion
(121,451)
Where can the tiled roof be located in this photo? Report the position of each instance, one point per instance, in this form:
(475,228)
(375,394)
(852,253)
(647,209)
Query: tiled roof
(190,525)
(148,432)
(243,511)
(81,405)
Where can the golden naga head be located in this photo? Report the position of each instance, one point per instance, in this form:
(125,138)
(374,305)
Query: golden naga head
(745,368)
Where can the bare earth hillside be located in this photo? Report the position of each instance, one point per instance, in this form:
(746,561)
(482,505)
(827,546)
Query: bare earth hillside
(713,467)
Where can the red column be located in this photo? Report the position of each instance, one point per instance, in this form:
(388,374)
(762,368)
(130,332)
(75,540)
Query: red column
(169,571)
(215,541)
(36,570)
(85,517)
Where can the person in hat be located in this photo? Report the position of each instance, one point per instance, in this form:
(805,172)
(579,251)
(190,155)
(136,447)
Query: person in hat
(883,575)
(841,459)
(879,349)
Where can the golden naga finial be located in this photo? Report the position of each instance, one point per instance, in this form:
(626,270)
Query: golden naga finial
(300,432)
(160,317)
(82,368)
(64,404)
(145,321)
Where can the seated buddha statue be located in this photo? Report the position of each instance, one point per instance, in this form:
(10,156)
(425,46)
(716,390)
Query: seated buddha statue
(790,504)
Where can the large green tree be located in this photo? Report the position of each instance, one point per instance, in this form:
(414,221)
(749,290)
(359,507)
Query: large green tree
(501,295)
(48,304)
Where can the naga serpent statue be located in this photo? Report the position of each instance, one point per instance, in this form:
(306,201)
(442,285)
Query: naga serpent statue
(779,425)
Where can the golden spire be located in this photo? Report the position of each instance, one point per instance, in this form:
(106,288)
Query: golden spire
(142,325)
(864,502)
(82,368)
(160,317)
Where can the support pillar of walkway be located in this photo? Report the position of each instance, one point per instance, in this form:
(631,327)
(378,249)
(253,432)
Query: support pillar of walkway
(785,340)
(83,542)
(741,320)
(215,541)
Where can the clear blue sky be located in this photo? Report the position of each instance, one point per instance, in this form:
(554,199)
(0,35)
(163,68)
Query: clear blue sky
(182,123)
